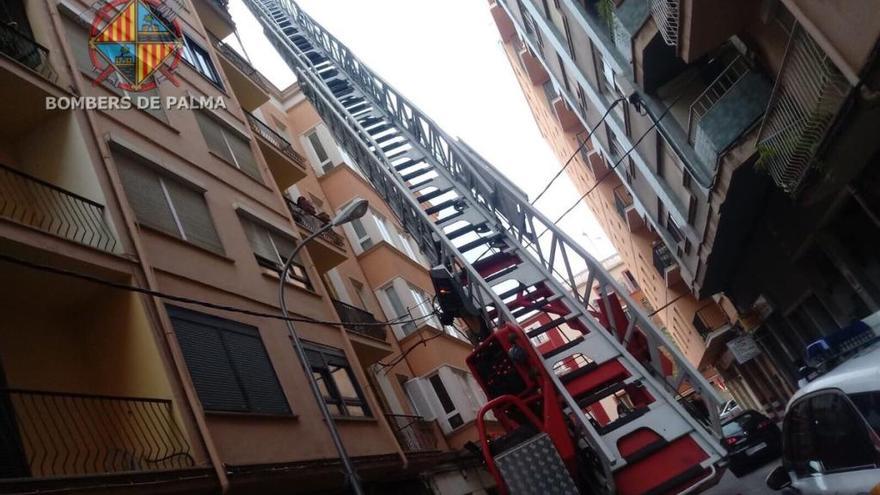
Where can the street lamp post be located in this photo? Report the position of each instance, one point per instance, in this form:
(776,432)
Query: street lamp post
(354,210)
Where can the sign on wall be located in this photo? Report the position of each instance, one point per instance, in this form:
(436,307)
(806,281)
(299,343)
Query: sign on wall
(743,348)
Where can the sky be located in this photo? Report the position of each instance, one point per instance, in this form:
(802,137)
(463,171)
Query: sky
(445,57)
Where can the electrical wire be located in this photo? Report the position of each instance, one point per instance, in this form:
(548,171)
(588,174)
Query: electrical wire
(578,150)
(196,302)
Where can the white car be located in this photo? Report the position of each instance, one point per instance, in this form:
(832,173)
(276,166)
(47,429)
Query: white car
(831,432)
(730,409)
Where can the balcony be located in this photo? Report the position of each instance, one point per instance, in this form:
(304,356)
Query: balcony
(370,341)
(623,202)
(666,265)
(38,204)
(505,26)
(355,315)
(249,86)
(414,433)
(215,16)
(328,250)
(568,119)
(703,25)
(710,318)
(809,94)
(26,52)
(726,109)
(49,434)
(287,166)
(530,63)
(597,165)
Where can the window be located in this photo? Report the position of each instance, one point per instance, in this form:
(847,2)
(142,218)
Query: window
(815,429)
(453,417)
(363,237)
(272,249)
(228,364)
(228,145)
(324,160)
(166,204)
(673,229)
(383,226)
(336,380)
(200,60)
(400,311)
(568,38)
(868,403)
(424,305)
(563,73)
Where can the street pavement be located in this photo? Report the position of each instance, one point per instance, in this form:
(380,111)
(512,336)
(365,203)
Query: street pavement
(747,485)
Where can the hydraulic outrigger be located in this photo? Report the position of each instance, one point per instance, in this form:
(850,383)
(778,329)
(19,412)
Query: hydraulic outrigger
(513,289)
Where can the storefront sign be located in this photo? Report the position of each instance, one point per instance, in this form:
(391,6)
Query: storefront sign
(743,348)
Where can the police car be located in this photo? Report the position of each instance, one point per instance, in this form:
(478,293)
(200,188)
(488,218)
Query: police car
(831,431)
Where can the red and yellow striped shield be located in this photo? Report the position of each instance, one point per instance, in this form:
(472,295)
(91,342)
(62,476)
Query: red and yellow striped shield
(122,28)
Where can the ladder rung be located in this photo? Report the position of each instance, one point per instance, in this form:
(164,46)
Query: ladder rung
(479,242)
(564,347)
(433,194)
(412,175)
(594,397)
(547,326)
(449,203)
(625,420)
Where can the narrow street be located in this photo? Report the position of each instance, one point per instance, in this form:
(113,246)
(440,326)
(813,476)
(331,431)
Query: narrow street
(752,483)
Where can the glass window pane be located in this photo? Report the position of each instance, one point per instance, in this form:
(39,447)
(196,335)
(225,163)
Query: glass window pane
(836,424)
(869,405)
(442,394)
(318,147)
(343,382)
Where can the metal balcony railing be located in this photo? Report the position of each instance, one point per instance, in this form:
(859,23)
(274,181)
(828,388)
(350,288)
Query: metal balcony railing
(414,433)
(26,51)
(242,64)
(312,223)
(622,200)
(732,74)
(663,259)
(277,140)
(60,434)
(355,315)
(710,318)
(810,91)
(44,206)
(665,14)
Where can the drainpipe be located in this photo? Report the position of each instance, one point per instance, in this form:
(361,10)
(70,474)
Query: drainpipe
(156,315)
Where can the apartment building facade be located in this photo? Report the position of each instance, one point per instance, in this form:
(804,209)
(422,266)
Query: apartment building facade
(139,349)
(710,118)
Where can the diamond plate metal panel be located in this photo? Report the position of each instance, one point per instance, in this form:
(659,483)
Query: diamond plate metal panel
(535,468)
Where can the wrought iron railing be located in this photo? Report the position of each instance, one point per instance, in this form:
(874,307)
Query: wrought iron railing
(810,91)
(312,223)
(62,434)
(732,74)
(242,64)
(47,207)
(665,14)
(414,433)
(622,200)
(353,315)
(277,140)
(710,318)
(26,51)
(663,258)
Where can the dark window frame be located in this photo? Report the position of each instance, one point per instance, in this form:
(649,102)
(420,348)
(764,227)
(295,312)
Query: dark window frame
(331,356)
(204,65)
(298,274)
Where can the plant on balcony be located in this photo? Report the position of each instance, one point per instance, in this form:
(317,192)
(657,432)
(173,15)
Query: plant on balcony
(606,12)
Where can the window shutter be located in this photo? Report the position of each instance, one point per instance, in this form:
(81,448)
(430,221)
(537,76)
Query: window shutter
(258,236)
(244,156)
(209,365)
(256,373)
(192,211)
(213,133)
(145,195)
(415,391)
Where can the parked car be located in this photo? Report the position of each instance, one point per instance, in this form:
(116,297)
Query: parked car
(831,431)
(752,440)
(730,409)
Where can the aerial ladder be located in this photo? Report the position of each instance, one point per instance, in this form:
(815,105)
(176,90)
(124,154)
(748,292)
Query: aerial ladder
(510,272)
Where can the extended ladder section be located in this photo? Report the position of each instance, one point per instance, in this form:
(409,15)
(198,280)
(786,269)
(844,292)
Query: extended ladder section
(513,263)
